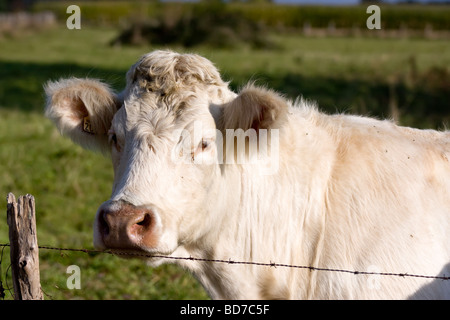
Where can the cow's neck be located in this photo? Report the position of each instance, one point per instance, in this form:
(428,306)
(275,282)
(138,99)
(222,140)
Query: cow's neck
(244,227)
(265,219)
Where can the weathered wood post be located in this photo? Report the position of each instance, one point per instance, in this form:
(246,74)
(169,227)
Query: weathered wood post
(24,249)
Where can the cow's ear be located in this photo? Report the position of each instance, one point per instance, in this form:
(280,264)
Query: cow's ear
(82,109)
(255,108)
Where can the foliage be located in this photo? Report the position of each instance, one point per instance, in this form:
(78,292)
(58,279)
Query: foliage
(281,17)
(203,23)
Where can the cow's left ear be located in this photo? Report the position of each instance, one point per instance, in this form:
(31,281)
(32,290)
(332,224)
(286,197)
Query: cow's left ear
(82,109)
(255,108)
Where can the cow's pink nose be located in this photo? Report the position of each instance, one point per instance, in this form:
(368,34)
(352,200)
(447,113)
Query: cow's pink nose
(125,226)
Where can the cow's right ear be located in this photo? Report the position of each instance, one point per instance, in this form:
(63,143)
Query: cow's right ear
(82,109)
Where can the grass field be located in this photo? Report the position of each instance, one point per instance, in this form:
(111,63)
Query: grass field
(69,183)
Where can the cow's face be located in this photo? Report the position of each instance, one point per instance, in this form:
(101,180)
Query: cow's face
(163,150)
(161,135)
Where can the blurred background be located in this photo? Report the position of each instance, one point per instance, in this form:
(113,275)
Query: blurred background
(321,50)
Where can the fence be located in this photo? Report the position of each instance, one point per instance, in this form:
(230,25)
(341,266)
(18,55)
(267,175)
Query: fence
(24,252)
(24,248)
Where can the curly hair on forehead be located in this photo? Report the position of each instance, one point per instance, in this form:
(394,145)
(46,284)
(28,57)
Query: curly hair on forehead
(166,72)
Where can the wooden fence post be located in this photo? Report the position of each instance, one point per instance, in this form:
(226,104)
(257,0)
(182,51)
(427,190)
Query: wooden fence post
(24,250)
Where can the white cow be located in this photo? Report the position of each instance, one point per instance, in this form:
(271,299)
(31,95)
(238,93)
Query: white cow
(347,192)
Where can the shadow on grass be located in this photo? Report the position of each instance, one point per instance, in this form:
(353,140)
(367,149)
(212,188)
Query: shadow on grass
(21,84)
(423,104)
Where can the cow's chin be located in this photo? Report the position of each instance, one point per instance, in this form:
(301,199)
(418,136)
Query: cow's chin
(153,256)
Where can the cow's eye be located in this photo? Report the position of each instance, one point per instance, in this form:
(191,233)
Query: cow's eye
(112,138)
(203,144)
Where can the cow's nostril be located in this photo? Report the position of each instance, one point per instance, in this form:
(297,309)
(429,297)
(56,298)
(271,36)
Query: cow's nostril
(141,227)
(145,221)
(103,223)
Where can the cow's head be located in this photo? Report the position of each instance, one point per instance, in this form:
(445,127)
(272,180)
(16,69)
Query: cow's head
(166,181)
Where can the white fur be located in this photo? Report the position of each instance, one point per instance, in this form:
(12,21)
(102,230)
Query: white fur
(350,192)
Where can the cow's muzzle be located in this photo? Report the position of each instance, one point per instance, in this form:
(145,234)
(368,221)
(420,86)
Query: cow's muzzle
(123,226)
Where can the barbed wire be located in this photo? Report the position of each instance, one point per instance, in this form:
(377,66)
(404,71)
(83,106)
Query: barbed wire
(230,261)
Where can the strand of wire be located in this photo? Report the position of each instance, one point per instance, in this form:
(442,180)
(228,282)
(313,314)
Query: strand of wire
(263,264)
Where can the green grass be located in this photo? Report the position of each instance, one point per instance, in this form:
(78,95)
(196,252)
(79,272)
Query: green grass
(69,183)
